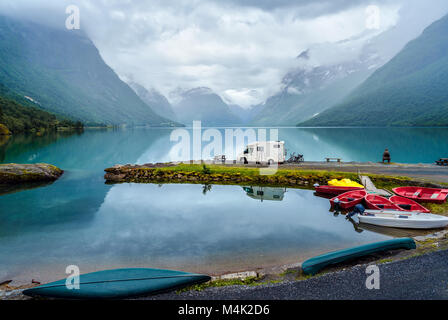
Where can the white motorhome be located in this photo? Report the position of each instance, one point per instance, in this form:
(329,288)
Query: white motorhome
(269,152)
(265,193)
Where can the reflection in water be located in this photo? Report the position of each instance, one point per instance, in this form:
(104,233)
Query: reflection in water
(355,224)
(395,232)
(13,188)
(176,227)
(80,220)
(206,188)
(79,193)
(12,148)
(265,193)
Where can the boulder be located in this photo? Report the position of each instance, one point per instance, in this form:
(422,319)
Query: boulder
(13,173)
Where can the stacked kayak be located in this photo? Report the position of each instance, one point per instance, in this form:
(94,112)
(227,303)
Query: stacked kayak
(403,219)
(420,194)
(348,200)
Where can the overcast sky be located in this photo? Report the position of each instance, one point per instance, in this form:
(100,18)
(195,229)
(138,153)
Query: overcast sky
(241,49)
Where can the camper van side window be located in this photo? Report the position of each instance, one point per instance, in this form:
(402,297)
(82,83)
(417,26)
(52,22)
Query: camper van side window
(276,146)
(251,150)
(260,149)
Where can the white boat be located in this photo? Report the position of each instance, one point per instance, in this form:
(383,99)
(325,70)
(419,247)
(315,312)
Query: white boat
(403,219)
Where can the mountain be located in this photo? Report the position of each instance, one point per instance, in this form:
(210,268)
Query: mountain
(309,91)
(321,80)
(245,114)
(158,102)
(205,105)
(19,115)
(63,72)
(410,90)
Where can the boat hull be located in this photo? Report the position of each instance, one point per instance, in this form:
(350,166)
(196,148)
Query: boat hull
(404,220)
(314,265)
(119,284)
(408,204)
(376,202)
(348,200)
(428,195)
(335,190)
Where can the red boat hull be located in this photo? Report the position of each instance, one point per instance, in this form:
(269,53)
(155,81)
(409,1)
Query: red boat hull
(376,202)
(419,194)
(335,190)
(408,204)
(349,199)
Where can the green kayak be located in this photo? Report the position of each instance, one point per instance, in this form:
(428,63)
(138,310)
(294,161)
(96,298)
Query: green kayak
(314,265)
(119,284)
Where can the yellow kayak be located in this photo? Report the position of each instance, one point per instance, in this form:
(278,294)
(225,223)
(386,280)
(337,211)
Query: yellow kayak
(344,183)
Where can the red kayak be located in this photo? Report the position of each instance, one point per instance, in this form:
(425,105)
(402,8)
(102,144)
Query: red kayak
(376,202)
(408,204)
(335,190)
(348,199)
(423,194)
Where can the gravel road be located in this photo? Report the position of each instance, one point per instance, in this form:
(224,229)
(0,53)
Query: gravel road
(422,277)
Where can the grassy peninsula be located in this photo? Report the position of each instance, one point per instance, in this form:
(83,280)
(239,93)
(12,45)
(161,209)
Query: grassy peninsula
(237,175)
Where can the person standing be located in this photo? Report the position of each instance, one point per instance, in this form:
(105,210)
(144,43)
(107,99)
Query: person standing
(386,156)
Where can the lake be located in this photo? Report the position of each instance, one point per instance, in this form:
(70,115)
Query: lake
(80,220)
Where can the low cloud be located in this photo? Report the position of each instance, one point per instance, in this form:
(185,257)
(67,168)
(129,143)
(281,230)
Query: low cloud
(241,49)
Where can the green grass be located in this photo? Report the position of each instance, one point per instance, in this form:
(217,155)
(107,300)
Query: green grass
(221,283)
(266,282)
(289,272)
(384,261)
(389,182)
(254,172)
(441,209)
(212,171)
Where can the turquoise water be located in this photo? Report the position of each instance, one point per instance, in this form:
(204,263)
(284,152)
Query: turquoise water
(80,220)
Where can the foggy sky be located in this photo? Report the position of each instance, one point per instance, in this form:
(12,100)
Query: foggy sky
(241,49)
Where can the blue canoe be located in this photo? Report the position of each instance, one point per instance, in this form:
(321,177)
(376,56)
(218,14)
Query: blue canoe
(119,284)
(314,265)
